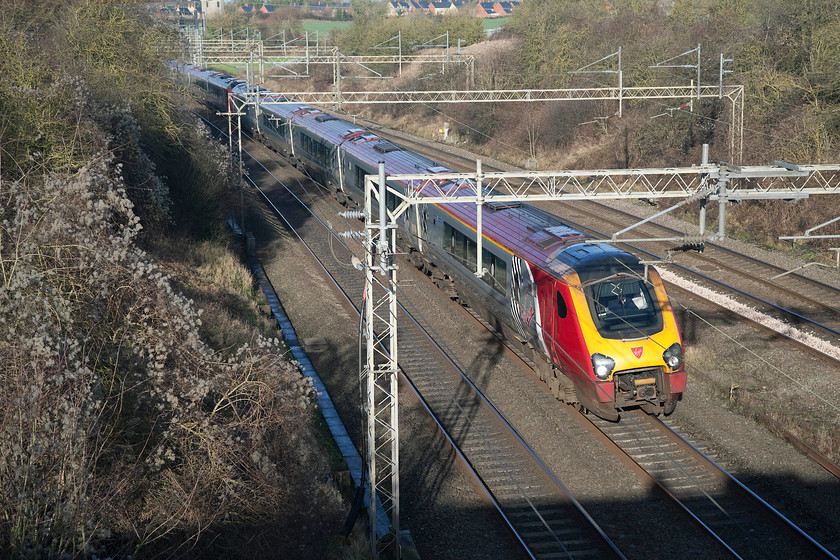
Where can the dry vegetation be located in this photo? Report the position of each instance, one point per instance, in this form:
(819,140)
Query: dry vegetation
(785,54)
(131,425)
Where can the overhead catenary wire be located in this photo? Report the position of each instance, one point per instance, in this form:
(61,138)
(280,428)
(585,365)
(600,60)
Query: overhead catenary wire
(710,497)
(790,377)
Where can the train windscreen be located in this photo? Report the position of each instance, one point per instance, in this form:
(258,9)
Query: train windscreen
(623,307)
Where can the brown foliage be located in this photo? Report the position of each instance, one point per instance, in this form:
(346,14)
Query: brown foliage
(128,427)
(121,430)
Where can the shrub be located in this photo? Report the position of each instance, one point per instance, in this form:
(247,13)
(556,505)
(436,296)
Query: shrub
(121,430)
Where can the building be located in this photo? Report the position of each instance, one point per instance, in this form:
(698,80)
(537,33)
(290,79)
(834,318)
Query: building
(443,8)
(495,9)
(212,8)
(485,10)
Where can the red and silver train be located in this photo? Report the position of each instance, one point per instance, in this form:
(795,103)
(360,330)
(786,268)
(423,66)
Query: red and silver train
(600,327)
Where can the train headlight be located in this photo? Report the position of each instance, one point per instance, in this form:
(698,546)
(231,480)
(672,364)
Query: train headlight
(602,365)
(673,356)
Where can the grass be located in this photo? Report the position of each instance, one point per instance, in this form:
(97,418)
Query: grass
(325,27)
(494,23)
(229,69)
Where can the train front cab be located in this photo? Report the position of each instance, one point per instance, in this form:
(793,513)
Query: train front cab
(616,337)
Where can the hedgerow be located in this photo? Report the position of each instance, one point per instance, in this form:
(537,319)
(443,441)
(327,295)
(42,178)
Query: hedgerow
(127,428)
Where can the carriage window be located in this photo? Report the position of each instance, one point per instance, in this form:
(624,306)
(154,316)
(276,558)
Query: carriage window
(391,201)
(471,248)
(496,274)
(499,274)
(465,251)
(314,148)
(455,243)
(360,177)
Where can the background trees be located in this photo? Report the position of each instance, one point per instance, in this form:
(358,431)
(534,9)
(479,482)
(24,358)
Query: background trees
(784,52)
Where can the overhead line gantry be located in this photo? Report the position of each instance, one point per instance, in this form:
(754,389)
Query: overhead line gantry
(285,55)
(721,182)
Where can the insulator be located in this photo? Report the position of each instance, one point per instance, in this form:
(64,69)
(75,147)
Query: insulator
(352,234)
(352,214)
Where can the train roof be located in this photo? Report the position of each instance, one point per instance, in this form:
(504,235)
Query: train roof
(543,239)
(359,142)
(214,77)
(535,235)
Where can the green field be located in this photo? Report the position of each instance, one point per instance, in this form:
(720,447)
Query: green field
(325,27)
(228,69)
(493,23)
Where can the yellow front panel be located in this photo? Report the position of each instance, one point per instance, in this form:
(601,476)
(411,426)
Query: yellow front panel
(628,354)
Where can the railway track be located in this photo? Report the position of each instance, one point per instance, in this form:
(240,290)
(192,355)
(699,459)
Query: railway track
(735,516)
(528,497)
(542,514)
(796,299)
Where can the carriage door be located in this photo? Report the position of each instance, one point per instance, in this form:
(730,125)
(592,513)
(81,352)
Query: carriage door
(546,291)
(416,218)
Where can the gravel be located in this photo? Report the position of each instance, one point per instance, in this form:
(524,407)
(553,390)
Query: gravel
(440,504)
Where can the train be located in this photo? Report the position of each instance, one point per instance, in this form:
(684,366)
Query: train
(596,322)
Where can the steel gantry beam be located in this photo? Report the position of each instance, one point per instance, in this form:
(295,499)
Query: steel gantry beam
(721,182)
(743,183)
(733,94)
(508,95)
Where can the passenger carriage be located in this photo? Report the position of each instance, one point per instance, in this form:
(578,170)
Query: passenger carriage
(598,323)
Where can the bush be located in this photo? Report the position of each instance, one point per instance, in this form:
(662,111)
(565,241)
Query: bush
(127,426)
(120,427)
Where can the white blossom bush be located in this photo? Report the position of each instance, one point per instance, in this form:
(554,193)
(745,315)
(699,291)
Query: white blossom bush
(127,427)
(121,431)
